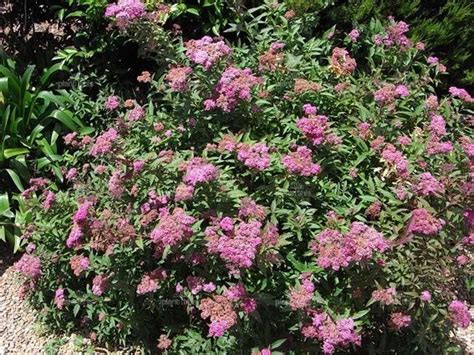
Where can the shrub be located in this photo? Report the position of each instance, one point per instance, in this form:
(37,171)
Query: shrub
(297,194)
(443,25)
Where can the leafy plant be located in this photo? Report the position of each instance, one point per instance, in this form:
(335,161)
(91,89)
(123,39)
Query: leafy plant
(31,121)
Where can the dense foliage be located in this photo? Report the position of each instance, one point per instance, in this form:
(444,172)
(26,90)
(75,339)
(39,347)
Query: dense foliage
(289,193)
(32,118)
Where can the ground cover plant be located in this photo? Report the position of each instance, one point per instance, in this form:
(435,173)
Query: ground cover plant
(289,193)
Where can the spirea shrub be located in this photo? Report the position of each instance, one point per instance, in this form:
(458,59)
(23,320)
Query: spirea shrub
(296,194)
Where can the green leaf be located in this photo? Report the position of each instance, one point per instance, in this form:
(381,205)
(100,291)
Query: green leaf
(11,152)
(16,179)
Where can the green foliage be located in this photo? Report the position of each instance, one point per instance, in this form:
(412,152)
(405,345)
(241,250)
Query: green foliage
(445,26)
(31,121)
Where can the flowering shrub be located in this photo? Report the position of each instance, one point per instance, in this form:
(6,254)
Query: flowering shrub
(317,199)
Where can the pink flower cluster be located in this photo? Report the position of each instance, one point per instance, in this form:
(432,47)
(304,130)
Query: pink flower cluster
(300,162)
(423,222)
(104,143)
(80,225)
(395,35)
(59,300)
(136,114)
(313,126)
(206,51)
(332,334)
(115,185)
(125,11)
(49,198)
(149,281)
(301,296)
(99,284)
(388,93)
(234,86)
(236,242)
(178,78)
(173,228)
(335,250)
(341,62)
(395,158)
(79,263)
(385,296)
(399,320)
(461,93)
(428,185)
(459,314)
(198,170)
(197,284)
(254,156)
(354,35)
(29,266)
(112,102)
(220,312)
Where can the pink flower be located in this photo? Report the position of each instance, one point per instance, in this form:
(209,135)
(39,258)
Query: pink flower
(425,296)
(99,284)
(314,127)
(385,296)
(79,263)
(254,156)
(341,62)
(300,297)
(217,328)
(112,102)
(395,158)
(184,192)
(335,250)
(29,266)
(238,248)
(206,51)
(125,11)
(330,250)
(423,222)
(136,114)
(354,35)
(432,102)
(138,166)
(399,320)
(59,298)
(461,93)
(331,333)
(75,236)
(462,260)
(178,78)
(459,314)
(149,281)
(428,185)
(437,126)
(300,162)
(49,198)
(103,143)
(115,185)
(401,91)
(198,170)
(404,140)
(234,86)
(432,60)
(395,35)
(173,228)
(71,174)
